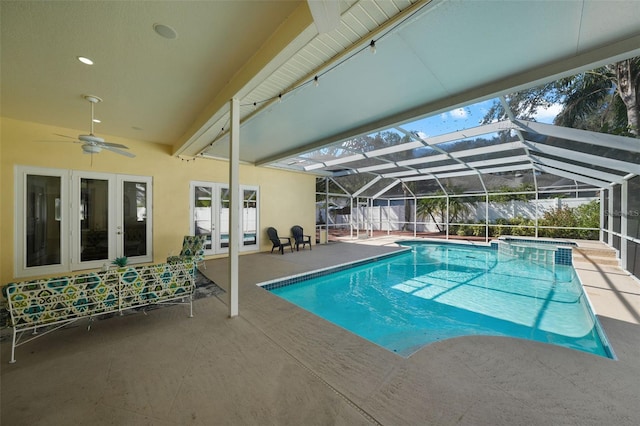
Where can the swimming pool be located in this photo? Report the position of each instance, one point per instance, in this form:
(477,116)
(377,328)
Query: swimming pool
(438,291)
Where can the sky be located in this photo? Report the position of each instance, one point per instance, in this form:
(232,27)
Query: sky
(468,117)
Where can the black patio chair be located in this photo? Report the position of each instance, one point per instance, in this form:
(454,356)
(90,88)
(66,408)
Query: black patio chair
(300,238)
(278,242)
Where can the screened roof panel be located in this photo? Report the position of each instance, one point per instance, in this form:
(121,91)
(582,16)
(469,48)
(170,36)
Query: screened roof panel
(571,164)
(490,156)
(454,149)
(353,183)
(410,154)
(394,170)
(364,162)
(424,187)
(333,188)
(454,120)
(381,185)
(590,149)
(549,180)
(496,182)
(459,185)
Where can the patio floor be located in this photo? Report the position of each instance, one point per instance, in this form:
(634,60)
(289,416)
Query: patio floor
(277,364)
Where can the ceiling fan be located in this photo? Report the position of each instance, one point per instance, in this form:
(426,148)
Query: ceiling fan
(92,144)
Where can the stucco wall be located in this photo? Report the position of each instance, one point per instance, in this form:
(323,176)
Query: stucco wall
(286,198)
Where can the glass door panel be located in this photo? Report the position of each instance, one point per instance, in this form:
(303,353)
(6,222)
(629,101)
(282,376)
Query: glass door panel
(134,218)
(43,220)
(94,220)
(223,219)
(250,217)
(202,214)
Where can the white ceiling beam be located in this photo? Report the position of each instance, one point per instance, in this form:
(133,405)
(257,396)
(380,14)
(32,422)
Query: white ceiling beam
(343,160)
(401,174)
(376,167)
(438,157)
(393,149)
(584,136)
(584,179)
(585,158)
(367,186)
(326,14)
(488,149)
(386,189)
(470,172)
(476,164)
(596,174)
(503,169)
(467,133)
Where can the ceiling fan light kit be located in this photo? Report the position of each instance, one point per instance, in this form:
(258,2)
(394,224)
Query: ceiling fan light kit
(92,144)
(93,99)
(91,149)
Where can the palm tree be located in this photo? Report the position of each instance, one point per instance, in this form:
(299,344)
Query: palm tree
(606,99)
(459,207)
(432,206)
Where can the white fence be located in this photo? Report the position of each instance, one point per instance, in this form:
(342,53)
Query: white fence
(392,218)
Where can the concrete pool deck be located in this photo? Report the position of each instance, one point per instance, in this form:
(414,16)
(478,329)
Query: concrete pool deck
(277,364)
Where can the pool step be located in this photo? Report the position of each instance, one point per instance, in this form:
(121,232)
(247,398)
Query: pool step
(600,255)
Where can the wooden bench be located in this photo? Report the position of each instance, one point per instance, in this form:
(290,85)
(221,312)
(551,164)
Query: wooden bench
(56,302)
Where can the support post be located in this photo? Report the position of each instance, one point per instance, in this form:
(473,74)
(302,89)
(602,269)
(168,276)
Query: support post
(234,207)
(624,230)
(603,209)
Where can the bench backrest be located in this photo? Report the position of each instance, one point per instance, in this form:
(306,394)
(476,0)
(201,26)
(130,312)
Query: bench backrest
(50,300)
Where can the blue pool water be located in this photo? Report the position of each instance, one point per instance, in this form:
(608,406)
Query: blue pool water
(440,291)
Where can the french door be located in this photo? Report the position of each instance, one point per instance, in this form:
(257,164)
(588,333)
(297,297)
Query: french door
(111,219)
(210,216)
(70,220)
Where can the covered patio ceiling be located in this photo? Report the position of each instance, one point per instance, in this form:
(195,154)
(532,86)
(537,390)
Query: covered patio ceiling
(431,57)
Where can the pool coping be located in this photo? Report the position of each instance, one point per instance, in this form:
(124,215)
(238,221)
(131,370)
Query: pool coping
(304,276)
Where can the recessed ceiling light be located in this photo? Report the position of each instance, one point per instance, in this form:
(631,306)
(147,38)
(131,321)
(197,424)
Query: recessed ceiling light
(95,120)
(165,31)
(85,60)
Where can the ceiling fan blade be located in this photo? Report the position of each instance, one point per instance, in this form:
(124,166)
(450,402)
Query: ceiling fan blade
(54,141)
(65,136)
(119,151)
(114,145)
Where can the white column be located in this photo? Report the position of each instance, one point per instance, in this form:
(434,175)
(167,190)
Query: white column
(624,230)
(610,214)
(235,203)
(603,209)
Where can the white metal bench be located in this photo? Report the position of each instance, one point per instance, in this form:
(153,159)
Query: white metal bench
(59,301)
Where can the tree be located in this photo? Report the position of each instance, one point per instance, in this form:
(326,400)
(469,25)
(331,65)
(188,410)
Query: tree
(459,207)
(431,207)
(606,99)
